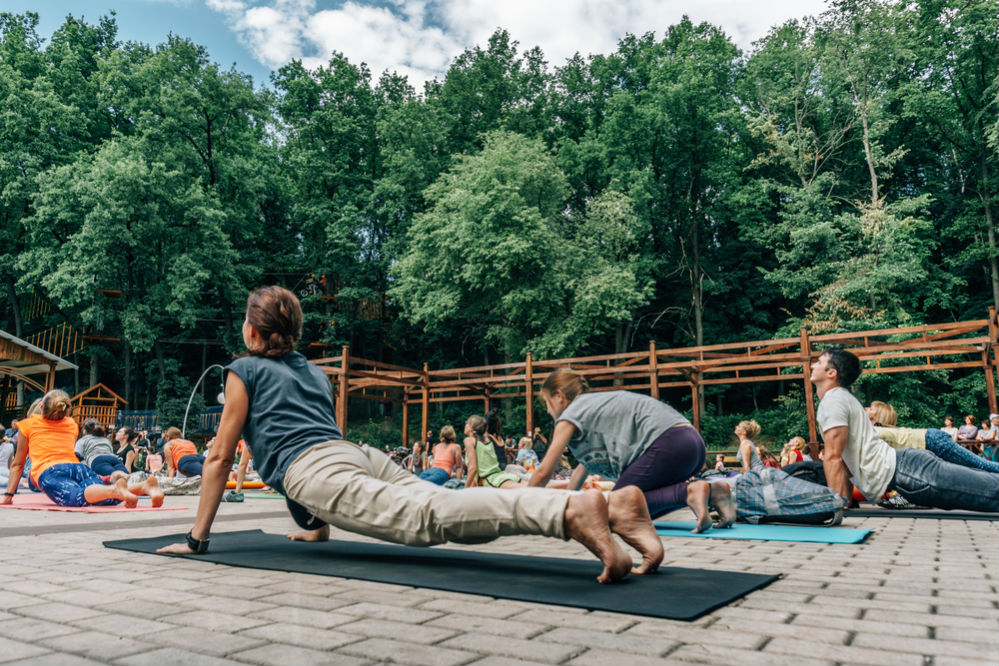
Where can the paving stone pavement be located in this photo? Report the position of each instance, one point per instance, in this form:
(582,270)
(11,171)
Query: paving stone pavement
(917,592)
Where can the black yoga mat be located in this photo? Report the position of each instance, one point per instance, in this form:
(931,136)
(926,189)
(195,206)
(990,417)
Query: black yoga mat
(673,593)
(919,513)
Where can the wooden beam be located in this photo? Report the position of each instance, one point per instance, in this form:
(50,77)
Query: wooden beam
(806,363)
(529,389)
(342,391)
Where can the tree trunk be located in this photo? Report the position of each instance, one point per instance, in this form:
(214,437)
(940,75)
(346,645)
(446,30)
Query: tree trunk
(990,230)
(15,307)
(93,366)
(128,368)
(697,293)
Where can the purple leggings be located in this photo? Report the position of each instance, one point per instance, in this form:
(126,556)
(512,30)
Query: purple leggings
(663,470)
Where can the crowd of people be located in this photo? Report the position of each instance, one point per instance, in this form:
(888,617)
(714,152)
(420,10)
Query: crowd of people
(653,459)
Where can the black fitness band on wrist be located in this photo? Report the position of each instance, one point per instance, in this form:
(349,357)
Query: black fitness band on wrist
(199,546)
(10,494)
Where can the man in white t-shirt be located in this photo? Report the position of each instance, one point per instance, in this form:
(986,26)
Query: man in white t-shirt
(854,453)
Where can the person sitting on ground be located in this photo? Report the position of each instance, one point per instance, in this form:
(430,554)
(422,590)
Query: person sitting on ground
(284,404)
(949,428)
(447,459)
(854,452)
(791,453)
(154,462)
(6,455)
(127,439)
(720,462)
(94,450)
(633,438)
(969,431)
(493,427)
(937,442)
(749,453)
(48,436)
(181,455)
(481,459)
(510,449)
(418,459)
(526,457)
(540,442)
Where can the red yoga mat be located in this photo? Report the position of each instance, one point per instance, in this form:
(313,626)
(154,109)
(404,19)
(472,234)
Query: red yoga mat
(41,502)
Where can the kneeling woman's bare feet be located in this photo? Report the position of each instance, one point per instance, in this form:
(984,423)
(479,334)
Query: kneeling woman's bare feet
(120,491)
(629,519)
(721,499)
(697,499)
(321,534)
(586,521)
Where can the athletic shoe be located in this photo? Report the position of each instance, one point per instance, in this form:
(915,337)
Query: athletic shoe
(232,496)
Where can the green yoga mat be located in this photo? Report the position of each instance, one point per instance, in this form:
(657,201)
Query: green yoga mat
(796,533)
(673,593)
(263,496)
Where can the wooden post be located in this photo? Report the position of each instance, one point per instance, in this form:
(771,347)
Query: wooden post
(988,363)
(806,370)
(405,418)
(653,369)
(425,403)
(344,386)
(487,402)
(694,386)
(529,382)
(990,381)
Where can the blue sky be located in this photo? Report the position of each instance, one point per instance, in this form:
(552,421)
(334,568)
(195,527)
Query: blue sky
(418,38)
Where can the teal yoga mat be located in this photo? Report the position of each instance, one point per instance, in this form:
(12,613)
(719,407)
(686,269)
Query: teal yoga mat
(767,532)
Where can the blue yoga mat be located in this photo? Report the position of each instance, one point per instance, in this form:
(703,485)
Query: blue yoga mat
(766,532)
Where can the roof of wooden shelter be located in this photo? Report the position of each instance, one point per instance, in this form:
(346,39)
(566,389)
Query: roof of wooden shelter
(100,390)
(26,359)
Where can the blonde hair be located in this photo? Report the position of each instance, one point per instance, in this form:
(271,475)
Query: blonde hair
(36,408)
(798,443)
(447,434)
(56,405)
(884,414)
(751,428)
(172,433)
(478,425)
(566,380)
(526,443)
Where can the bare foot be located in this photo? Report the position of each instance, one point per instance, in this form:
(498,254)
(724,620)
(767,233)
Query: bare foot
(321,534)
(629,519)
(586,521)
(120,491)
(154,491)
(697,500)
(721,499)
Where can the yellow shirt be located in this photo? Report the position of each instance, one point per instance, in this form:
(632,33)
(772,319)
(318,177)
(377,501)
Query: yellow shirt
(902,438)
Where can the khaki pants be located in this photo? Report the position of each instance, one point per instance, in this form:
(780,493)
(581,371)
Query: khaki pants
(359,489)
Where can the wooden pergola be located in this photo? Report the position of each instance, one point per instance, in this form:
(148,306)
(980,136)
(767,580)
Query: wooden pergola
(963,344)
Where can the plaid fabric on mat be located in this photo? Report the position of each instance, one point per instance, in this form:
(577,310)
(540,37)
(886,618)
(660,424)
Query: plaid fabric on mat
(770,492)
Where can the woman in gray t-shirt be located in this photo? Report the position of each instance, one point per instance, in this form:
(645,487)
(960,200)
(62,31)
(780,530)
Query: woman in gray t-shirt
(633,438)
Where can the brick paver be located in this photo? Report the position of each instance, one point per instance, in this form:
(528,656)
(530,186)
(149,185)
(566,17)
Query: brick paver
(920,592)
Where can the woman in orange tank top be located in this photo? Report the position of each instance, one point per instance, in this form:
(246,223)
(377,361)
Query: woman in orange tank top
(447,456)
(48,437)
(181,455)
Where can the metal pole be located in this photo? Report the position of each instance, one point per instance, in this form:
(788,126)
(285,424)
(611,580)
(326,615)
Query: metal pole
(183,428)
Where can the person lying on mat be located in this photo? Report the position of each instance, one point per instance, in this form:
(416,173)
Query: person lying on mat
(284,405)
(885,419)
(181,455)
(94,450)
(854,452)
(48,436)
(634,438)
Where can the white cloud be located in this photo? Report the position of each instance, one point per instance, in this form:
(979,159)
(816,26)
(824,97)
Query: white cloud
(419,38)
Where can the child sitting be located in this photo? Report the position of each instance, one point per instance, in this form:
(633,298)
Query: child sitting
(526,457)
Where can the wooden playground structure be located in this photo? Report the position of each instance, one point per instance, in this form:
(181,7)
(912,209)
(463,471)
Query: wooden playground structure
(963,344)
